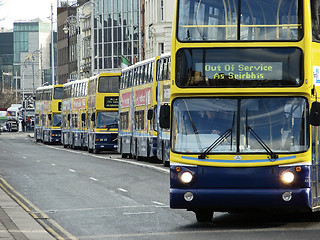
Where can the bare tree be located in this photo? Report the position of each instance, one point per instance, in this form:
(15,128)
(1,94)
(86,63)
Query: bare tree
(7,97)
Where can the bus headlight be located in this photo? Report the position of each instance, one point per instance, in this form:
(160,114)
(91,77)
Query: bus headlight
(186,177)
(287,177)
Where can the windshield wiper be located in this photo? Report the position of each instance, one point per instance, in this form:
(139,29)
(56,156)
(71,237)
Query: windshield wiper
(263,144)
(217,142)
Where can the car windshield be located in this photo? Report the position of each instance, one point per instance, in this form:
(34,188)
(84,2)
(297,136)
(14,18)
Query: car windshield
(107,120)
(250,20)
(243,125)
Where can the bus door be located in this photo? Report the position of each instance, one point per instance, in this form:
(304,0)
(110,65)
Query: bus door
(315,167)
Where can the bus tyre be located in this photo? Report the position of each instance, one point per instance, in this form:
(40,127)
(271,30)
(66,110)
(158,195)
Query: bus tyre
(314,216)
(204,215)
(96,151)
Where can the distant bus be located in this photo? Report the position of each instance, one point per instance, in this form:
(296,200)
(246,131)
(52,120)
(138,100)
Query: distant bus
(66,114)
(48,114)
(126,112)
(102,112)
(144,88)
(163,76)
(137,135)
(79,114)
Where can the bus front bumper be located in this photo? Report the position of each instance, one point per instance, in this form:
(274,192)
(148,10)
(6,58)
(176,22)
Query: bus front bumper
(55,136)
(106,141)
(241,199)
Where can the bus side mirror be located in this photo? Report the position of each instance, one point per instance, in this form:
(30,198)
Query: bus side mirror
(83,117)
(315,114)
(69,117)
(49,117)
(165,116)
(150,114)
(93,117)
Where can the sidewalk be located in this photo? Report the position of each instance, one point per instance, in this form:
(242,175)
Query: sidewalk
(17,224)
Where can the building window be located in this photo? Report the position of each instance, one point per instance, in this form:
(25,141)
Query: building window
(161,10)
(161,48)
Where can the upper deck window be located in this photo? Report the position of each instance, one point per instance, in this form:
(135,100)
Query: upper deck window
(58,92)
(238,20)
(109,84)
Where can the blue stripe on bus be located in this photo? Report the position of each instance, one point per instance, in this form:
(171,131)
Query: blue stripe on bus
(238,161)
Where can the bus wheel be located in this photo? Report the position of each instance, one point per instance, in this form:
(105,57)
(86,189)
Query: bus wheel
(314,216)
(204,215)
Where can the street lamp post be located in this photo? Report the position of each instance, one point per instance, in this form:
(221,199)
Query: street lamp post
(72,21)
(31,57)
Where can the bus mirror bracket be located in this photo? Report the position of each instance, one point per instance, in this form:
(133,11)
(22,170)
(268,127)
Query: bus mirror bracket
(150,114)
(165,116)
(315,114)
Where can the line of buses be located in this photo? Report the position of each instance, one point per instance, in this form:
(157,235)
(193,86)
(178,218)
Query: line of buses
(239,116)
(110,111)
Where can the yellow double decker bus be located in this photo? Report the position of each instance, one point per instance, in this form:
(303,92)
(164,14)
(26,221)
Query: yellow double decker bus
(79,114)
(48,114)
(244,108)
(138,105)
(66,114)
(125,112)
(102,112)
(163,76)
(144,144)
(38,114)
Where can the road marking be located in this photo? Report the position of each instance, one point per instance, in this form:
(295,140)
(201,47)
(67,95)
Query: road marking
(128,161)
(71,170)
(158,203)
(138,213)
(53,164)
(93,179)
(122,190)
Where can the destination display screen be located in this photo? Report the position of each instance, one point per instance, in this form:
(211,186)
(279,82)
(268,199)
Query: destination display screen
(244,70)
(111,102)
(239,67)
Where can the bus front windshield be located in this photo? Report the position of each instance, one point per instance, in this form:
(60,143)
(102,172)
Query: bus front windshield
(107,120)
(250,20)
(56,120)
(243,125)
(58,93)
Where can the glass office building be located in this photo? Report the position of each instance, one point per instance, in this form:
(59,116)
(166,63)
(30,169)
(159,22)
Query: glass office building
(117,32)
(32,53)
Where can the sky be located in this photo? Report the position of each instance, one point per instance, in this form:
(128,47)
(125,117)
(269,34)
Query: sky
(14,10)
